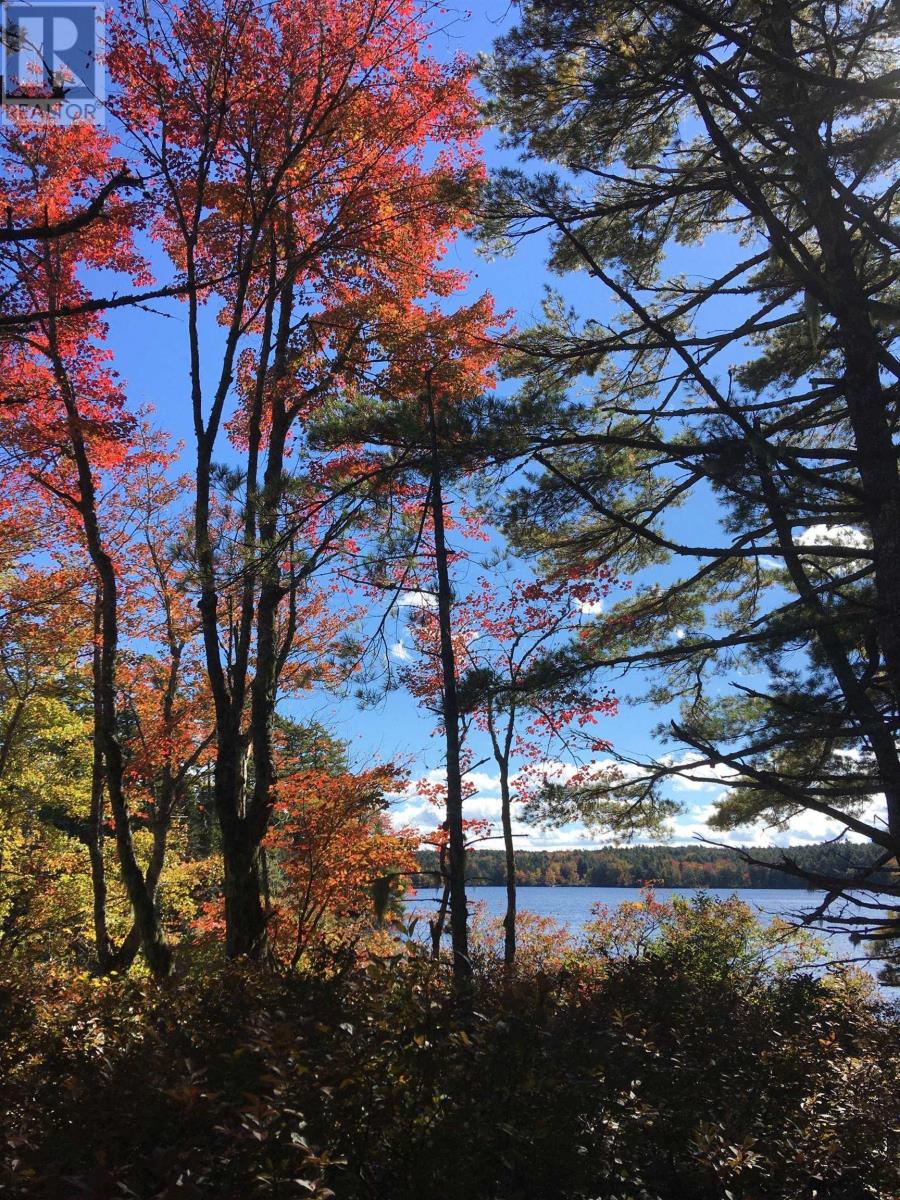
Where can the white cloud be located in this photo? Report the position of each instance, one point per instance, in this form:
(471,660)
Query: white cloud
(411,809)
(807,826)
(398,650)
(416,600)
(838,535)
(483,781)
(834,535)
(591,608)
(696,776)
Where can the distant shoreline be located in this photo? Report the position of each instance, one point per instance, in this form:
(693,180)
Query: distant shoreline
(687,867)
(657,883)
(630,887)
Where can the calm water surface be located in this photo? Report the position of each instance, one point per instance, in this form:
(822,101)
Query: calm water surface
(571,906)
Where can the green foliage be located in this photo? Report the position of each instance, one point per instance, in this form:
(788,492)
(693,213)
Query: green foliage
(716,941)
(44,797)
(309,746)
(749,382)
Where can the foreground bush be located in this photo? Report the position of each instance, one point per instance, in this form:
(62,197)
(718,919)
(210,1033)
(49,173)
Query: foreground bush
(687,1067)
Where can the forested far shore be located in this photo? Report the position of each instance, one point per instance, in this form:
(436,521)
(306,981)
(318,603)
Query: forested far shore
(667,866)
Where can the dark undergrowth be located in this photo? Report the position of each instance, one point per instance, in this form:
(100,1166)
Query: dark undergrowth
(665,1075)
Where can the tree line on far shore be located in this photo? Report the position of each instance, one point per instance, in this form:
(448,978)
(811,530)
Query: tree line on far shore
(668,866)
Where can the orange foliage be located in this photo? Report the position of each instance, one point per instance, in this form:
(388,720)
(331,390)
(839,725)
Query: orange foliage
(334,847)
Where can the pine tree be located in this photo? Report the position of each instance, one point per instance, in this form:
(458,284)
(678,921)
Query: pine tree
(724,174)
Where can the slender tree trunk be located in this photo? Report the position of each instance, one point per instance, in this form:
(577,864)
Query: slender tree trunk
(125,955)
(171,786)
(244,819)
(509,921)
(245,924)
(102,942)
(249,870)
(456,859)
(436,927)
(153,942)
(501,757)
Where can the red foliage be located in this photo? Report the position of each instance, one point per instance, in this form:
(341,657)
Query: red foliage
(334,846)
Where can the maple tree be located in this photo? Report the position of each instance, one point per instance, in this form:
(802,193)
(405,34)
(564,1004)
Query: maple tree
(162,723)
(332,863)
(500,632)
(312,160)
(65,427)
(163,692)
(53,802)
(335,851)
(90,464)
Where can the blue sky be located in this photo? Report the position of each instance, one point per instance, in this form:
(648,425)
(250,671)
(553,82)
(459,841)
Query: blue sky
(151,357)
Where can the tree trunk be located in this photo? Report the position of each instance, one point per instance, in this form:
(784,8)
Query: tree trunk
(502,752)
(244,819)
(844,296)
(245,916)
(436,927)
(509,921)
(456,859)
(125,955)
(102,942)
(153,942)
(248,871)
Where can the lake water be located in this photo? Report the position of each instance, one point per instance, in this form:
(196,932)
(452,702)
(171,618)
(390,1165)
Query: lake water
(571,907)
